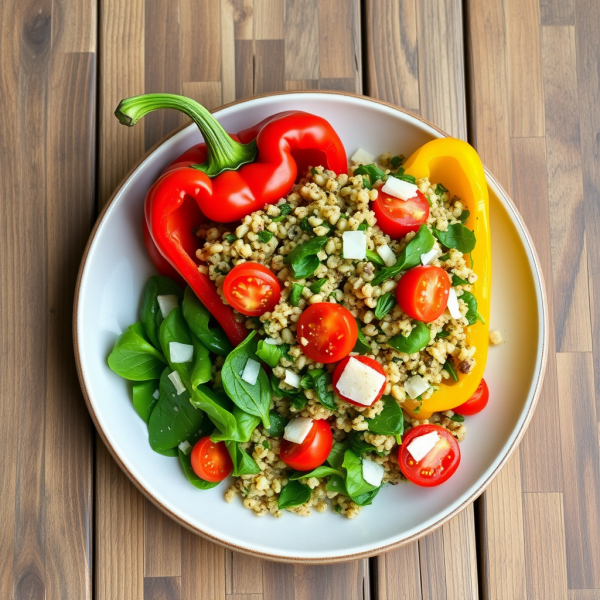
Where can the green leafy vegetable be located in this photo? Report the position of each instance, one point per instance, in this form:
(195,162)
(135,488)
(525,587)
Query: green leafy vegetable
(303,258)
(464,215)
(410,256)
(325,396)
(373,257)
(472,314)
(285,209)
(359,446)
(315,288)
(278,423)
(336,483)
(336,455)
(371,174)
(305,225)
(390,421)
(355,482)
(271,353)
(367,498)
(143,398)
(135,359)
(385,304)
(293,494)
(458,418)
(230,237)
(264,236)
(150,311)
(254,399)
(418,338)
(266,445)
(245,424)
(444,257)
(296,294)
(363,226)
(449,368)
(456,280)
(243,463)
(440,189)
(322,471)
(186,465)
(397,161)
(216,406)
(442,334)
(361,346)
(457,236)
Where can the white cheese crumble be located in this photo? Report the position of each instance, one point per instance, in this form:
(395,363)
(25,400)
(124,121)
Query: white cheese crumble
(181,353)
(176,381)
(354,245)
(452,305)
(273,342)
(297,429)
(292,378)
(387,255)
(362,157)
(399,188)
(185,447)
(156,394)
(359,382)
(251,371)
(429,257)
(372,472)
(415,386)
(421,446)
(167,304)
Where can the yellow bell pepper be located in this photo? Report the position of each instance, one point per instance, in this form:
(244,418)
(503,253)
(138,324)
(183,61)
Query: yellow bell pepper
(457,166)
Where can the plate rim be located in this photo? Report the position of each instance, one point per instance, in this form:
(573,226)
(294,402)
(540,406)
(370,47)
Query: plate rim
(351,556)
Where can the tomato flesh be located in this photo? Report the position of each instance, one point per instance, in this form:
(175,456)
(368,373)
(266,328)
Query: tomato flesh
(438,465)
(398,217)
(251,289)
(370,362)
(476,403)
(327,332)
(210,460)
(312,452)
(422,293)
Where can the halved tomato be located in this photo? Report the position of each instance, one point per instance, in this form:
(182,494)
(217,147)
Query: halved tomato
(210,460)
(476,403)
(398,217)
(438,465)
(251,289)
(312,452)
(422,293)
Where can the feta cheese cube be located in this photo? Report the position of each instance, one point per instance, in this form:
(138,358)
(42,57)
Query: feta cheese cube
(362,157)
(156,394)
(429,257)
(354,245)
(421,446)
(273,342)
(372,472)
(415,386)
(399,188)
(176,381)
(181,353)
(292,378)
(167,304)
(297,429)
(387,255)
(360,383)
(185,447)
(452,306)
(251,371)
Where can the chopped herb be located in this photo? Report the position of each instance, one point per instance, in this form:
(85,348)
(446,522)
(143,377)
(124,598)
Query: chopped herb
(464,215)
(271,353)
(230,237)
(361,346)
(397,161)
(220,271)
(305,225)
(445,256)
(449,368)
(472,314)
(363,226)
(337,509)
(440,189)
(406,177)
(303,258)
(266,445)
(264,236)
(344,216)
(385,303)
(456,280)
(458,418)
(373,257)
(296,294)
(442,334)
(278,423)
(315,288)
(314,171)
(285,209)
(371,174)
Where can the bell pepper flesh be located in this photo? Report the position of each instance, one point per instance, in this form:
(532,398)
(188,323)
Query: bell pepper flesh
(457,166)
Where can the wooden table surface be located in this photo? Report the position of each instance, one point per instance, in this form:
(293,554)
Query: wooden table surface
(520,79)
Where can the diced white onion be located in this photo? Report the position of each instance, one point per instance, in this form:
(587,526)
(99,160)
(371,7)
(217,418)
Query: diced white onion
(292,378)
(297,429)
(415,386)
(452,306)
(387,255)
(362,157)
(176,381)
(251,371)
(354,245)
(185,447)
(399,188)
(181,353)
(359,382)
(372,472)
(421,446)
(167,304)
(156,394)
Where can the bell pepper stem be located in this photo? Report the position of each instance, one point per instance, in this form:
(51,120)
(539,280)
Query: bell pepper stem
(223,153)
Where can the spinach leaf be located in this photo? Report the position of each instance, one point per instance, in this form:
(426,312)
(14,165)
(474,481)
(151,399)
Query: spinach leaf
(373,173)
(440,189)
(472,314)
(449,367)
(135,359)
(397,161)
(140,330)
(322,471)
(367,498)
(442,334)
(336,455)
(303,258)
(336,483)
(186,465)
(458,418)
(254,399)
(198,318)
(217,409)
(296,293)
(355,482)
(362,346)
(417,339)
(315,288)
(285,209)
(173,419)
(390,421)
(264,236)
(150,310)
(230,237)
(410,257)
(359,446)
(271,353)
(456,280)
(319,380)
(245,425)
(293,494)
(385,303)
(243,463)
(444,257)
(143,398)
(305,225)
(457,236)
(373,257)
(278,423)
(464,215)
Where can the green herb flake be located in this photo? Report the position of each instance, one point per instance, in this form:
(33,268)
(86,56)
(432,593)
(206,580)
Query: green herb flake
(305,225)
(449,368)
(264,236)
(303,258)
(385,303)
(285,209)
(458,418)
(464,215)
(266,445)
(442,334)
(315,288)
(363,226)
(314,171)
(397,161)
(456,280)
(296,294)
(230,237)
(439,190)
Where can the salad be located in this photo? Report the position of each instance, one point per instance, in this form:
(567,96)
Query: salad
(317,330)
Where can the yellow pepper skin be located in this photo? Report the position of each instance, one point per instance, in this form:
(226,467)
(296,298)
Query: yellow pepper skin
(457,166)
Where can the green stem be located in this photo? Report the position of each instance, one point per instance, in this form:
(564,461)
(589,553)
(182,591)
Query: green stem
(223,153)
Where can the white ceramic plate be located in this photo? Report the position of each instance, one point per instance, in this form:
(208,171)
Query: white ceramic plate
(115,268)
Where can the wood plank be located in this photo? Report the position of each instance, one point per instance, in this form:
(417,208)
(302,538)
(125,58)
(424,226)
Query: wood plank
(202,568)
(398,574)
(545,548)
(269,71)
(343,581)
(301,40)
(243,574)
(565,186)
(208,93)
(279,581)
(162,588)
(579,441)
(584,594)
(162,544)
(268,19)
(228,37)
(557,12)
(244,68)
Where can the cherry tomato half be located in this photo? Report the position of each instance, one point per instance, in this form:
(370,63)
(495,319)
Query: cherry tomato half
(327,332)
(397,217)
(312,452)
(251,289)
(476,403)
(438,465)
(370,362)
(422,293)
(210,461)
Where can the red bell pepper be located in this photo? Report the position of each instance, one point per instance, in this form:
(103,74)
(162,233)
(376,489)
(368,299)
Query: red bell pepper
(224,180)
